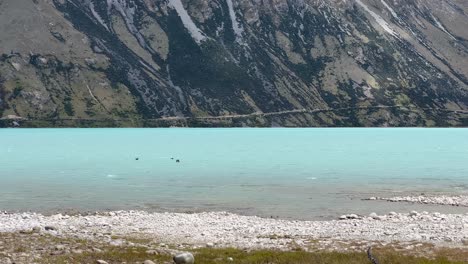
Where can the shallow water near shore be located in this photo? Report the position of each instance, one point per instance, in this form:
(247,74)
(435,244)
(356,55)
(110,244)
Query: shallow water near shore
(289,173)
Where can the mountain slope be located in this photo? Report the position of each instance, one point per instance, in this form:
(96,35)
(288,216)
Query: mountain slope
(234,62)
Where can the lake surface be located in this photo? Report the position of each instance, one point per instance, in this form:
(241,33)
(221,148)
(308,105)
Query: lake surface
(290,173)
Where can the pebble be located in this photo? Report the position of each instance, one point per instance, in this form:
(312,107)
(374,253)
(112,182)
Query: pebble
(209,245)
(152,252)
(373,215)
(59,247)
(148,262)
(77,251)
(184,258)
(50,228)
(97,250)
(100,261)
(353,216)
(414,213)
(117,243)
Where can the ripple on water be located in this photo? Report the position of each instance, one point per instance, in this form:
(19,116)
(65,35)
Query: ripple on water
(115,177)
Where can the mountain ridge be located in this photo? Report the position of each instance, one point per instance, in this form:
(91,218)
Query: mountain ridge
(234,63)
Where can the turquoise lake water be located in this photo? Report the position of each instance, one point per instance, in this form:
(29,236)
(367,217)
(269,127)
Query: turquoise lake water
(290,173)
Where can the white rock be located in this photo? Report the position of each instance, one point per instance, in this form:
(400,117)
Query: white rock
(16,65)
(43,60)
(59,247)
(117,243)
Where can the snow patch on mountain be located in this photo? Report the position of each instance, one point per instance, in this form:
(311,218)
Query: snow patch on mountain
(194,31)
(389,8)
(97,16)
(238,29)
(441,27)
(378,19)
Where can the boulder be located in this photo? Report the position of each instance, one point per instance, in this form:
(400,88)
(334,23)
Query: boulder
(184,258)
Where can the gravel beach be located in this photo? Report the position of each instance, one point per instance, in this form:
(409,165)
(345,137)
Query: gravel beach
(221,229)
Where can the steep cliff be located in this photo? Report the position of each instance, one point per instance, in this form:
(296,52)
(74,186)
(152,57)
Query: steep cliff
(234,62)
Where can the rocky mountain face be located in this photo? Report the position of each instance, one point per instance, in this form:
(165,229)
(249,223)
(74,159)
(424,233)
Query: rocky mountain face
(234,62)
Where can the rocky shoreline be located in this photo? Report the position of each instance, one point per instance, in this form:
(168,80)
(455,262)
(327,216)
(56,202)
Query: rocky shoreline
(119,235)
(459,200)
(221,229)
